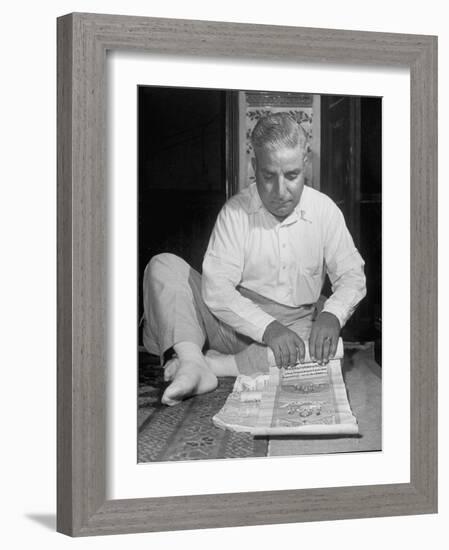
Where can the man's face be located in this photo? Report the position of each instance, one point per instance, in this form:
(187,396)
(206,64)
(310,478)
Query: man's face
(280,178)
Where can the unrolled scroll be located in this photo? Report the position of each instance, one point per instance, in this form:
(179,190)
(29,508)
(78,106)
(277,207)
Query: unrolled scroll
(306,399)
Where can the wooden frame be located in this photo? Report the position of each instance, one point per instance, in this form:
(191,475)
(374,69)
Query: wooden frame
(83,40)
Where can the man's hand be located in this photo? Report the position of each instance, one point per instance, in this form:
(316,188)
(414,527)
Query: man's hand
(287,346)
(323,339)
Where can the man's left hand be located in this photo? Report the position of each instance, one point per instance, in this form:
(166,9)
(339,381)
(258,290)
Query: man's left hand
(324,336)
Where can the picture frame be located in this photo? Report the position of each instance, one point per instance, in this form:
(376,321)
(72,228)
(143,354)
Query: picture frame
(82,506)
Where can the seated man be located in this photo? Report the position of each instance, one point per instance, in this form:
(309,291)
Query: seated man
(257,300)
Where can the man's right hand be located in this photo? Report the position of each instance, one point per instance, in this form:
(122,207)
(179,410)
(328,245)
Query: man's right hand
(287,346)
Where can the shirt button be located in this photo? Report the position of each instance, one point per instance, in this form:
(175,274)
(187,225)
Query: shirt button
(283,267)
(284,245)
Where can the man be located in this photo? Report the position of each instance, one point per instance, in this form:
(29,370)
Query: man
(257,301)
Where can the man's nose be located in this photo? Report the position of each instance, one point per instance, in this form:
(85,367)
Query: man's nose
(282,187)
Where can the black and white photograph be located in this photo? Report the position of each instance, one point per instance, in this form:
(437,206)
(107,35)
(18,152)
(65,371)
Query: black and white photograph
(223,233)
(260,274)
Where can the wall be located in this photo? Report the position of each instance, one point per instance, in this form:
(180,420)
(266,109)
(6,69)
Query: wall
(27,218)
(253,106)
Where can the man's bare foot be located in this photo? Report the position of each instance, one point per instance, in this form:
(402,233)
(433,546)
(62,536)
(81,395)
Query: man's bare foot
(188,376)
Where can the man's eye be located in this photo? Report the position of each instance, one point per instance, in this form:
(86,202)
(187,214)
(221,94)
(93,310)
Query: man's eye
(292,175)
(268,176)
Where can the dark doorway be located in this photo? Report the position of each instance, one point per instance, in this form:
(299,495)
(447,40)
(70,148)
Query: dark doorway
(351,174)
(182,171)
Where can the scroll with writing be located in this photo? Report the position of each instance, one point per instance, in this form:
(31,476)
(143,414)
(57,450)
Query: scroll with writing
(306,399)
(241,409)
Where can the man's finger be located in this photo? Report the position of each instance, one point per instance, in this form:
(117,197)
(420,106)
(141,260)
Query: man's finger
(300,349)
(296,350)
(312,341)
(290,353)
(319,348)
(314,347)
(334,345)
(277,356)
(327,342)
(282,355)
(285,356)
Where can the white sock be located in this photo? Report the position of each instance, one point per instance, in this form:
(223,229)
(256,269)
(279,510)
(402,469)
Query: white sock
(222,364)
(271,358)
(188,351)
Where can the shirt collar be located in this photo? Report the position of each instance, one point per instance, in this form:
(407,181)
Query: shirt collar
(301,212)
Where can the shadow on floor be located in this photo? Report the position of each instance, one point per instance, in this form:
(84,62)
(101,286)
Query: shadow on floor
(46,520)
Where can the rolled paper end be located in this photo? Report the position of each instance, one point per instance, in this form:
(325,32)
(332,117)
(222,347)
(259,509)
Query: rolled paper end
(338,354)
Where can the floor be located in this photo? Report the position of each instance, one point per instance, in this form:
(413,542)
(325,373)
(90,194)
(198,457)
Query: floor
(185,432)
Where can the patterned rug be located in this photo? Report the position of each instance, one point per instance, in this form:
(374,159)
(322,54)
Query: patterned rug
(185,432)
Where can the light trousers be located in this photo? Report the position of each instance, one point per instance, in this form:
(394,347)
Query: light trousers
(174,312)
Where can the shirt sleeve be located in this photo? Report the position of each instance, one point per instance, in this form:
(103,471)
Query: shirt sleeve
(345,268)
(222,272)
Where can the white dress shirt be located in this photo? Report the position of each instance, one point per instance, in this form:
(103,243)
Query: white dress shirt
(284,261)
